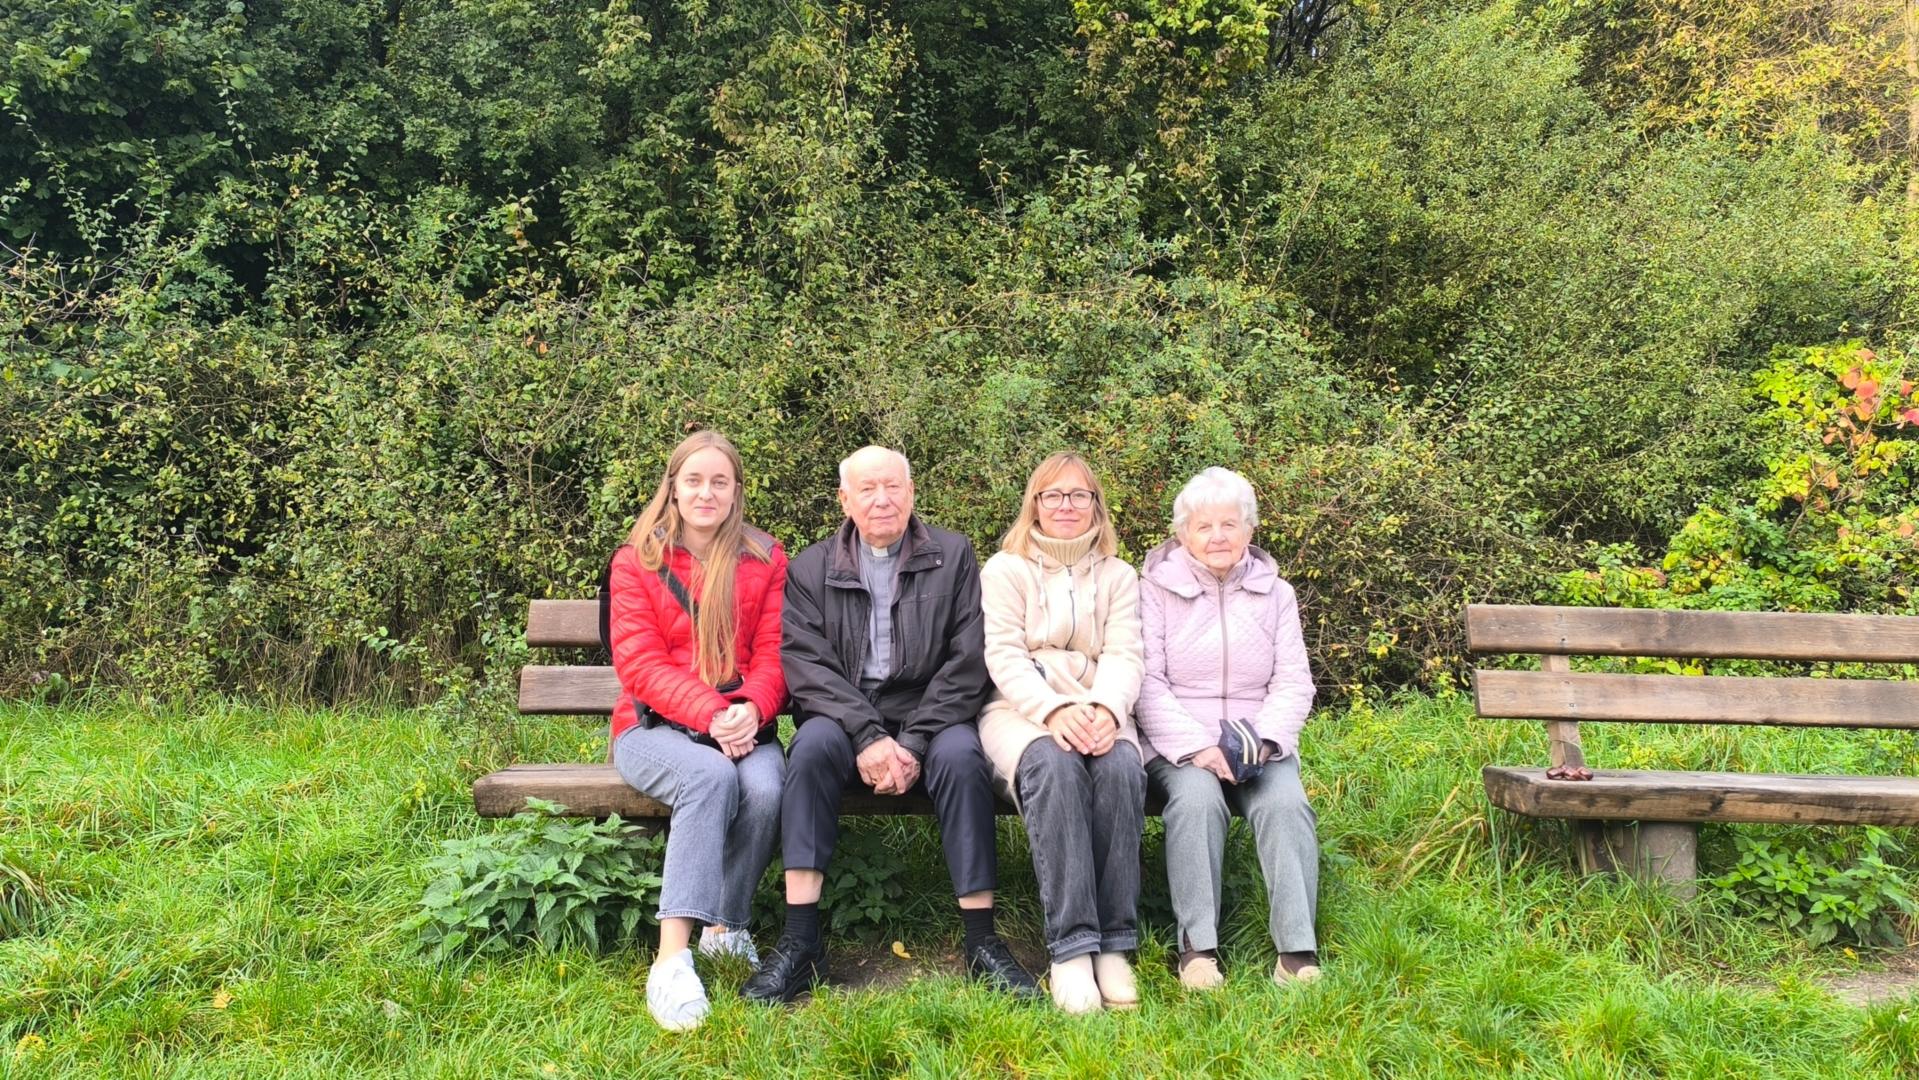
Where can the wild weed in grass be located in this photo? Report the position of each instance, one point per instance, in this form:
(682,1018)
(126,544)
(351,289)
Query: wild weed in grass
(542,878)
(1826,891)
(24,897)
(862,895)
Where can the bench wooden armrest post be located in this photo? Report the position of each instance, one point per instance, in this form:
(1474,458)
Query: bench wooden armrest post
(1562,736)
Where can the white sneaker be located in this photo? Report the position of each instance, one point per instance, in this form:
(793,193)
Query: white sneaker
(1117,987)
(1075,990)
(730,943)
(673,993)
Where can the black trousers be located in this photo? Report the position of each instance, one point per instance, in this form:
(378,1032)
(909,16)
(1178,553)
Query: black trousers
(820,767)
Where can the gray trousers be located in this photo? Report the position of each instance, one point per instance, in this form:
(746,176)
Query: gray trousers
(726,818)
(1196,816)
(1083,819)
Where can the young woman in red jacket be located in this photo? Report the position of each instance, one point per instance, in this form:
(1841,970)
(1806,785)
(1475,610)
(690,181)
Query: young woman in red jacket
(693,621)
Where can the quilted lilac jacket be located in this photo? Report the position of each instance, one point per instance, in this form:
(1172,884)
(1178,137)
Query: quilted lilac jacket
(1219,650)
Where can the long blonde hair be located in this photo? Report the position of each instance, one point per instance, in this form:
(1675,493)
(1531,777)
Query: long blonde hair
(658,532)
(1018,539)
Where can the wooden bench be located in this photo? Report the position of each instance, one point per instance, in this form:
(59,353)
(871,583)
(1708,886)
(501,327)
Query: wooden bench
(1646,823)
(591,690)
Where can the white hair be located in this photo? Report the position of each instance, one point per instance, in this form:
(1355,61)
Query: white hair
(846,463)
(1215,487)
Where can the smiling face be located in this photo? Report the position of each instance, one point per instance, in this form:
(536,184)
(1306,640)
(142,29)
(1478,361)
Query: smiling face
(704,491)
(1066,521)
(877,496)
(1216,536)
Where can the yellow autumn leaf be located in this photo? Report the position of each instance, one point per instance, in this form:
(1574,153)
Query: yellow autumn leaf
(899,950)
(222,999)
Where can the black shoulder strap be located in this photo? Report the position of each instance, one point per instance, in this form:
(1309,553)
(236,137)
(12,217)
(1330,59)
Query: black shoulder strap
(673,585)
(678,588)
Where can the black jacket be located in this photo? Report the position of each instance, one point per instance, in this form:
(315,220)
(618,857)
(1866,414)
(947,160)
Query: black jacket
(938,675)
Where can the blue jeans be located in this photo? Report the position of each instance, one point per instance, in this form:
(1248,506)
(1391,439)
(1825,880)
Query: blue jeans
(1083,819)
(726,817)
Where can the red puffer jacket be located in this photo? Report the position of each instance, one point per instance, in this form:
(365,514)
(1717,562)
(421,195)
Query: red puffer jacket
(652,640)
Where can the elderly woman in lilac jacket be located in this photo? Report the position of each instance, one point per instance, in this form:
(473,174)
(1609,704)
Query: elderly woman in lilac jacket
(1226,669)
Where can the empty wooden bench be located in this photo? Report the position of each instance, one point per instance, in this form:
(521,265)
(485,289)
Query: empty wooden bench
(1646,823)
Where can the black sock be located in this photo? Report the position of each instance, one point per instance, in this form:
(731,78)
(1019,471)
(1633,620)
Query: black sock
(803,922)
(1293,961)
(978,923)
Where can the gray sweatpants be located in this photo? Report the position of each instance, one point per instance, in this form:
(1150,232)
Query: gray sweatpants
(1196,816)
(726,819)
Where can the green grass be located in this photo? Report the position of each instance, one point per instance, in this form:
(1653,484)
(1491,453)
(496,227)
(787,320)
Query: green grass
(219,891)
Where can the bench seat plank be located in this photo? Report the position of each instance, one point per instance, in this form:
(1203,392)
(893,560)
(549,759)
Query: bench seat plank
(1617,795)
(1697,699)
(597,790)
(1751,635)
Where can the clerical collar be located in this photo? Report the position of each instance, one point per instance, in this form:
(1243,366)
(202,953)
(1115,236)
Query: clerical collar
(883,552)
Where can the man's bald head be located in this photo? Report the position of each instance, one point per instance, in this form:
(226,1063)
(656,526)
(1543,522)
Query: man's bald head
(869,456)
(876,493)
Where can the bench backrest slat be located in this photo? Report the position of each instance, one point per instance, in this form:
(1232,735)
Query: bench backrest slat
(1749,635)
(579,691)
(563,624)
(1692,699)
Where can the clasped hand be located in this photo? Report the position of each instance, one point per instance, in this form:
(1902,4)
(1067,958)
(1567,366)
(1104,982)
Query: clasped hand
(887,767)
(736,729)
(1083,729)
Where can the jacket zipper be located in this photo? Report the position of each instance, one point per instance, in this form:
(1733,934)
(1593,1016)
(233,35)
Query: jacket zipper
(1225,687)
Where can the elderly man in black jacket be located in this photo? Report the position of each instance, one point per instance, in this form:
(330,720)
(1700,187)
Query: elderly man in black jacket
(884,649)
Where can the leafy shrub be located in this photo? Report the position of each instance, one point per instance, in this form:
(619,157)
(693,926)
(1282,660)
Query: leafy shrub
(862,895)
(1830,525)
(541,878)
(1824,891)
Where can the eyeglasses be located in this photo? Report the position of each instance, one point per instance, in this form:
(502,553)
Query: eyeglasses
(1078,499)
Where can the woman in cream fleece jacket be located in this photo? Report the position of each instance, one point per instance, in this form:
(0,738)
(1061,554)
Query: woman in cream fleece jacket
(1064,650)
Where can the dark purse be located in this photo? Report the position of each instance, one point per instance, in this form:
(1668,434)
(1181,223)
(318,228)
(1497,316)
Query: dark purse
(1241,745)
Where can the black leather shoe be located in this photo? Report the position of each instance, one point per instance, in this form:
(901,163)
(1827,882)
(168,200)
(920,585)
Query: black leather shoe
(992,963)
(791,969)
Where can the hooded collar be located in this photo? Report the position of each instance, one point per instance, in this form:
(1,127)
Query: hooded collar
(1171,568)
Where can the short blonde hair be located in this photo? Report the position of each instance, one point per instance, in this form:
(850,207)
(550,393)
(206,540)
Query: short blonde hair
(1215,487)
(1019,538)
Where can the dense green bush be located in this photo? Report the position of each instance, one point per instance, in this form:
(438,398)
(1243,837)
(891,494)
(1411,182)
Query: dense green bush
(319,412)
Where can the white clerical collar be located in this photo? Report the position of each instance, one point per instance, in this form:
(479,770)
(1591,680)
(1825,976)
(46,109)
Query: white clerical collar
(883,552)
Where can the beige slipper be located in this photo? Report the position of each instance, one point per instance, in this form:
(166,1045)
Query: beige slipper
(1117,987)
(1075,990)
(1200,972)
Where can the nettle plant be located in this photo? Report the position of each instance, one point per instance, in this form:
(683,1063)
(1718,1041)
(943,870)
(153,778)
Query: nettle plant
(863,896)
(542,878)
(1832,525)
(1824,891)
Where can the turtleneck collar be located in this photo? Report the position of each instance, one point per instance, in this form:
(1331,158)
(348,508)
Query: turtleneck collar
(1059,552)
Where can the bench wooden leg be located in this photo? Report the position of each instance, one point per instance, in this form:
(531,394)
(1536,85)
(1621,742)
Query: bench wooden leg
(1651,851)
